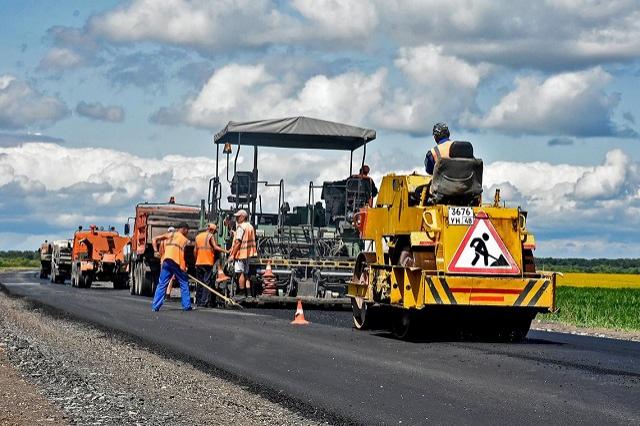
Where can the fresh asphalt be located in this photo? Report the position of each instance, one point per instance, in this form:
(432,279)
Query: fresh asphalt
(369,377)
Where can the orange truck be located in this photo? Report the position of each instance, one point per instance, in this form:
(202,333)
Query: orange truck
(45,259)
(151,220)
(98,255)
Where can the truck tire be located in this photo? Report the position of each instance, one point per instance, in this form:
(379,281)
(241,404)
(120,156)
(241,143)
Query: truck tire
(146,282)
(120,282)
(132,279)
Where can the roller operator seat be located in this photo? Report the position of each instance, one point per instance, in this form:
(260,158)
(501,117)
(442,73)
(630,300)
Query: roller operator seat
(457,180)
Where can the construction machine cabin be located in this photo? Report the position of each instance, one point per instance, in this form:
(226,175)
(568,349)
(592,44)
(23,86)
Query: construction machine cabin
(312,247)
(151,220)
(98,255)
(434,250)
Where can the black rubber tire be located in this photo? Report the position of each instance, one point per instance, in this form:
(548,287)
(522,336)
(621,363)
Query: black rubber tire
(146,283)
(404,324)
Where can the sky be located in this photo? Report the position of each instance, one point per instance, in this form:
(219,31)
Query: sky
(107,104)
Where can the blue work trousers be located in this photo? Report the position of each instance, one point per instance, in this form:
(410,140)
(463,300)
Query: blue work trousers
(169,269)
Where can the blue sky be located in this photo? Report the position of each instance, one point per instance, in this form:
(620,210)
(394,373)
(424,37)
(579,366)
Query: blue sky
(114,102)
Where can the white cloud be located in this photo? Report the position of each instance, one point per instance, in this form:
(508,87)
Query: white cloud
(572,103)
(97,111)
(61,58)
(72,186)
(574,203)
(439,87)
(242,92)
(339,19)
(60,188)
(23,106)
(200,24)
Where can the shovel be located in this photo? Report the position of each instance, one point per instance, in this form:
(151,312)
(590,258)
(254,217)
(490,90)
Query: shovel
(228,301)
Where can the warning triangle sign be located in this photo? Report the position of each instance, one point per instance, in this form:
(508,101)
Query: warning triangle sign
(482,251)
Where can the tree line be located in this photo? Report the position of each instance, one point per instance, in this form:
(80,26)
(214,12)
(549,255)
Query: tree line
(602,266)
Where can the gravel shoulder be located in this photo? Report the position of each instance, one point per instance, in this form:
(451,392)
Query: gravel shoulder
(560,327)
(83,375)
(21,403)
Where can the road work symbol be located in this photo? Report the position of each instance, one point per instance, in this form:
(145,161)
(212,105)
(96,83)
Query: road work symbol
(483,251)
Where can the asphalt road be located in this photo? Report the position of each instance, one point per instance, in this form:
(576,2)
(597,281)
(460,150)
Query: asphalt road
(369,377)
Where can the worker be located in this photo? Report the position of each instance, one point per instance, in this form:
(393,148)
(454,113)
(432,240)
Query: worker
(206,254)
(441,150)
(243,248)
(364,174)
(173,264)
(173,278)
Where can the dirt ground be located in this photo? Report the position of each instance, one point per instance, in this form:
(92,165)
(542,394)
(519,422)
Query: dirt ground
(21,403)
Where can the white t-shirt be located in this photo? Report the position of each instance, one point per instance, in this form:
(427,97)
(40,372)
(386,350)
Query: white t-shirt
(239,233)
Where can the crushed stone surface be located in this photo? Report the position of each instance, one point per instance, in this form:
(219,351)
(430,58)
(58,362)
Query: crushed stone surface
(90,377)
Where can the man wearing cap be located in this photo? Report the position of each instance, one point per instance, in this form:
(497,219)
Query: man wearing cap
(173,264)
(206,253)
(243,248)
(441,150)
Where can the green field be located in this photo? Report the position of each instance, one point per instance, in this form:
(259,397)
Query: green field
(18,262)
(616,308)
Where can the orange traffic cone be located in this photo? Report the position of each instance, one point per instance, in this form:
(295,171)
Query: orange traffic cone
(269,282)
(221,276)
(298,318)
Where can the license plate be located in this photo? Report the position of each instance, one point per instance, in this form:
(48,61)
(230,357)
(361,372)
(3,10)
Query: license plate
(460,216)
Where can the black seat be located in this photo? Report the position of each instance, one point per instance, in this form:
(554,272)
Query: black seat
(244,188)
(457,180)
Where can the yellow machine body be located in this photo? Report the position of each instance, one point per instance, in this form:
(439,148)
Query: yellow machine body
(412,252)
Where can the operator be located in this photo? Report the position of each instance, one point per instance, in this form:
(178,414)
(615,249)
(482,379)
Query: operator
(243,248)
(173,264)
(364,174)
(441,150)
(206,253)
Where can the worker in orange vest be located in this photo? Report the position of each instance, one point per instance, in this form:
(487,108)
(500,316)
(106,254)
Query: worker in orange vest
(243,248)
(173,264)
(206,253)
(443,142)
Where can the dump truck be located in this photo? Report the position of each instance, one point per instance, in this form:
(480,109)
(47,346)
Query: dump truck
(98,255)
(45,259)
(437,257)
(311,247)
(151,220)
(61,261)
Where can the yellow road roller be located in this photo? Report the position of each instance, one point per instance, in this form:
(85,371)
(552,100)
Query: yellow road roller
(437,258)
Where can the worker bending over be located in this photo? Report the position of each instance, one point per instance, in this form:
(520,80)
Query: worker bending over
(206,254)
(173,264)
(243,248)
(441,150)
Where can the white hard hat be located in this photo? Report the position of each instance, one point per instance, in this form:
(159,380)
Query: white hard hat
(171,229)
(241,212)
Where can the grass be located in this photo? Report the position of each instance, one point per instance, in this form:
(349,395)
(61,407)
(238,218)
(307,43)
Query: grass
(615,308)
(574,279)
(18,262)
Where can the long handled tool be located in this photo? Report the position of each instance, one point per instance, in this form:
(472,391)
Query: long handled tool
(227,300)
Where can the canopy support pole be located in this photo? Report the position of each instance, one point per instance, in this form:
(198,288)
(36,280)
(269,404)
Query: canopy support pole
(351,164)
(254,184)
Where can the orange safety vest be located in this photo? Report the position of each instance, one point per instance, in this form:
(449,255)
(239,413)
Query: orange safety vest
(248,244)
(174,249)
(441,151)
(206,254)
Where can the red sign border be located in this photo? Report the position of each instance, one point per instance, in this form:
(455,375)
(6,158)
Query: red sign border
(512,270)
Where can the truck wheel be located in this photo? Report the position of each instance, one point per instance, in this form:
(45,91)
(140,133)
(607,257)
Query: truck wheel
(119,282)
(132,280)
(146,283)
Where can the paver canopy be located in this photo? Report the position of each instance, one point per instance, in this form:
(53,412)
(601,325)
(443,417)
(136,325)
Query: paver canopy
(295,132)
